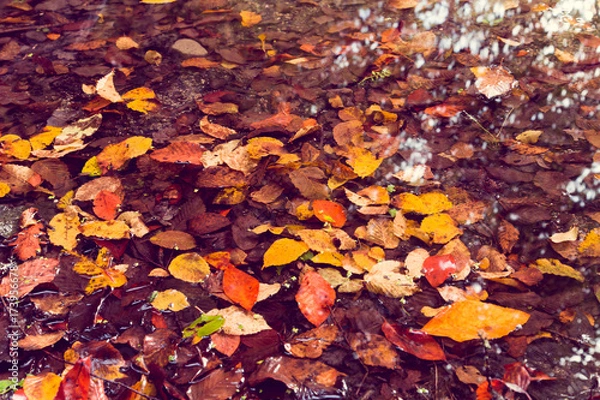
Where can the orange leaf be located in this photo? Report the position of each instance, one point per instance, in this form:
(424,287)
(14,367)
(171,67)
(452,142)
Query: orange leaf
(27,242)
(226,344)
(30,274)
(180,152)
(106,205)
(240,287)
(329,211)
(177,240)
(315,297)
(476,320)
(76,383)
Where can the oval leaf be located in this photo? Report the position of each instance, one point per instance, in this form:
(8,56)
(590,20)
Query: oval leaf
(413,341)
(240,287)
(283,251)
(189,267)
(315,297)
(329,211)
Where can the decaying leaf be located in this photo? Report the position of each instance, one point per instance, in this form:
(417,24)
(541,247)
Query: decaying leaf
(189,267)
(315,297)
(170,299)
(385,278)
(239,321)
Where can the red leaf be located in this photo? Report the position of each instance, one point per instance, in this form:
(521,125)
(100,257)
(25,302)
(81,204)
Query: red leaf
(485,392)
(438,268)
(27,242)
(76,383)
(106,205)
(413,341)
(240,287)
(315,297)
(444,110)
(329,211)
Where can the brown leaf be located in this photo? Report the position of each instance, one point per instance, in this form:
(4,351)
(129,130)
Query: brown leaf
(207,223)
(218,385)
(294,372)
(220,177)
(180,152)
(311,344)
(177,240)
(306,180)
(508,235)
(374,350)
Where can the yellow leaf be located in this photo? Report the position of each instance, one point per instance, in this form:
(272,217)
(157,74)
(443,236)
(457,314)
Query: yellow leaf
(363,162)
(138,100)
(230,196)
(472,319)
(260,147)
(170,299)
(189,267)
(385,278)
(555,267)
(590,247)
(43,386)
(43,139)
(91,167)
(4,189)
(64,230)
(284,251)
(114,156)
(441,227)
(329,257)
(427,203)
(66,200)
(250,18)
(14,146)
(105,229)
(111,277)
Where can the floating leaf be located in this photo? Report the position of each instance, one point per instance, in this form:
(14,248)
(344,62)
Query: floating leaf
(240,322)
(176,240)
(29,274)
(427,203)
(315,297)
(441,227)
(329,211)
(170,299)
(471,319)
(374,350)
(105,229)
(385,278)
(413,341)
(114,156)
(42,387)
(140,99)
(250,18)
(14,146)
(106,205)
(64,229)
(204,325)
(311,344)
(180,152)
(240,287)
(438,268)
(555,267)
(189,267)
(283,251)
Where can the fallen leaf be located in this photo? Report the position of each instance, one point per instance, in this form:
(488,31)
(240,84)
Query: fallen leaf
(189,267)
(250,18)
(427,203)
(176,240)
(170,299)
(374,350)
(315,297)
(493,81)
(114,156)
(490,321)
(105,229)
(329,211)
(105,88)
(438,268)
(413,341)
(385,278)
(180,152)
(296,373)
(239,321)
(311,344)
(240,287)
(441,228)
(64,229)
(283,251)
(217,385)
(106,205)
(555,267)
(30,274)
(43,386)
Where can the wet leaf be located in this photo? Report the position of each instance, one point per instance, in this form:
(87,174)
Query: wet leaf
(427,203)
(204,325)
(76,383)
(315,297)
(189,267)
(225,344)
(177,240)
(217,385)
(493,81)
(363,162)
(438,268)
(105,229)
(294,372)
(240,287)
(240,322)
(42,387)
(30,274)
(491,322)
(413,341)
(38,342)
(170,299)
(250,18)
(385,278)
(106,205)
(374,350)
(329,211)
(441,227)
(590,246)
(114,156)
(311,344)
(140,99)
(283,251)
(180,152)
(27,242)
(555,267)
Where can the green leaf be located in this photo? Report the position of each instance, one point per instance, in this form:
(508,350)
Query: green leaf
(203,326)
